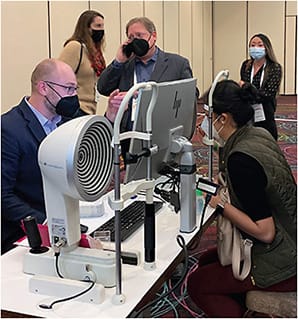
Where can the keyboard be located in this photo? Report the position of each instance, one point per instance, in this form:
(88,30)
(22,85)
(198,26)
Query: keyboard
(131,219)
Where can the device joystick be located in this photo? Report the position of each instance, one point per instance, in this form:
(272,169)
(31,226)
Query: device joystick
(33,235)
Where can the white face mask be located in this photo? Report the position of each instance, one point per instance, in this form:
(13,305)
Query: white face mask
(205,127)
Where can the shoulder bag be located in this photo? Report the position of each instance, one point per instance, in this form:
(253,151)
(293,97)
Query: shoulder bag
(231,247)
(80,60)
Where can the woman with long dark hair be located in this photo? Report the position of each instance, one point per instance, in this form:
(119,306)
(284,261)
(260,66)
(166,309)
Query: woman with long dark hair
(264,72)
(83,51)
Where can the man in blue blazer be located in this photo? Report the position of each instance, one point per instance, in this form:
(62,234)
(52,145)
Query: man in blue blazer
(53,98)
(138,59)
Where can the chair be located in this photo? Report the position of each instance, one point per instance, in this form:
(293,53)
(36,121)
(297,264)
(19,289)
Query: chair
(275,304)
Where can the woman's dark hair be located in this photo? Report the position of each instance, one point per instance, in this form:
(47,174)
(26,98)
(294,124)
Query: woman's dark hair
(229,97)
(270,56)
(82,33)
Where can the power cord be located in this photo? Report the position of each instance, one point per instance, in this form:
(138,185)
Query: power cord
(57,249)
(164,306)
(50,306)
(171,194)
(93,282)
(181,243)
(174,301)
(57,254)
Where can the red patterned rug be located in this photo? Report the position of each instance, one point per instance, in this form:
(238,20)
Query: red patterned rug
(286,119)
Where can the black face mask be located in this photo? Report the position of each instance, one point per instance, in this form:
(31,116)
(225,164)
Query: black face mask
(138,46)
(68,106)
(97,35)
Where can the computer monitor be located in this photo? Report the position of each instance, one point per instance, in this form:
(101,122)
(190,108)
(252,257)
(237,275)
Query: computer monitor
(173,114)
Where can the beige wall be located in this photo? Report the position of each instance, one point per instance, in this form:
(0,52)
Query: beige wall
(212,35)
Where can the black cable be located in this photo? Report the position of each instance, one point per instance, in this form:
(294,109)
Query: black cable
(171,194)
(50,306)
(195,244)
(164,183)
(182,244)
(56,264)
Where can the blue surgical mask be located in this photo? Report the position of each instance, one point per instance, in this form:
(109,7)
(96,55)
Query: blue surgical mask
(257,53)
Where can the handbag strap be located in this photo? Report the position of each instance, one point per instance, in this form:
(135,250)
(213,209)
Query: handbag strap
(238,242)
(236,255)
(80,60)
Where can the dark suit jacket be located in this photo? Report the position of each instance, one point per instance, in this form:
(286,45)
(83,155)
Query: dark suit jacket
(21,182)
(168,67)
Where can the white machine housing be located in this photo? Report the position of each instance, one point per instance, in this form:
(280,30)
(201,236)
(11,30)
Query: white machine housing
(76,162)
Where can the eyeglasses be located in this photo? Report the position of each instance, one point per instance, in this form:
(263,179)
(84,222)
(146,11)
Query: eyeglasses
(138,35)
(69,89)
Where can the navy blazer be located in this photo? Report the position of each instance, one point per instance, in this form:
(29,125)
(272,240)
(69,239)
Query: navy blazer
(21,181)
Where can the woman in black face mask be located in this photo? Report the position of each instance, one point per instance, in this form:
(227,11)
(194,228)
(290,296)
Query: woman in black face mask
(83,51)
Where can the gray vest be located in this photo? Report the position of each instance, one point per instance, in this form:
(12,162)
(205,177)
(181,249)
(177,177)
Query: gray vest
(275,262)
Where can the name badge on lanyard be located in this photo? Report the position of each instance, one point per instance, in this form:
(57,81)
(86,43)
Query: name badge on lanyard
(259,112)
(258,108)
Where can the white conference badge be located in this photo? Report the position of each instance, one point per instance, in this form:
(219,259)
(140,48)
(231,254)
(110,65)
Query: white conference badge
(259,112)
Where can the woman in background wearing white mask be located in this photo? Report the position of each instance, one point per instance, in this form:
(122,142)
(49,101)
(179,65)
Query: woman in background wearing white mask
(264,72)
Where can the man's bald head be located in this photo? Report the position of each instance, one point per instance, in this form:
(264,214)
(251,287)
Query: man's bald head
(52,70)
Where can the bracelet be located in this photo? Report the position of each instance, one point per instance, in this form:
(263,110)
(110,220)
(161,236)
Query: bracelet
(219,209)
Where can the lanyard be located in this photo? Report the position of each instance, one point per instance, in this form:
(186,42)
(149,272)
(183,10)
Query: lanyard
(262,75)
(135,77)
(134,100)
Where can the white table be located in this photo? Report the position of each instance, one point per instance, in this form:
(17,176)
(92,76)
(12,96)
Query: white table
(138,285)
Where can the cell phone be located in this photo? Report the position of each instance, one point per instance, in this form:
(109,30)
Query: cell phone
(84,228)
(207,186)
(127,50)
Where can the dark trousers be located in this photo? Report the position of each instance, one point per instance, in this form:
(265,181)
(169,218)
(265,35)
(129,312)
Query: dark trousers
(214,289)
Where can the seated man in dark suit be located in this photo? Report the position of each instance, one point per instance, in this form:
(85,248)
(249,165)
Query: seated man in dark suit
(53,99)
(138,59)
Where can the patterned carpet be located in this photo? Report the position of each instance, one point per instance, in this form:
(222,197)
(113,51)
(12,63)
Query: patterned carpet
(177,304)
(286,119)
